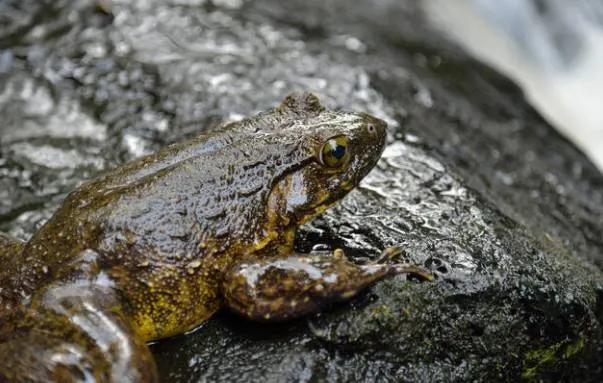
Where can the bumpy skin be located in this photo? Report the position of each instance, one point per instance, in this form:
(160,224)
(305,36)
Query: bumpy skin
(155,247)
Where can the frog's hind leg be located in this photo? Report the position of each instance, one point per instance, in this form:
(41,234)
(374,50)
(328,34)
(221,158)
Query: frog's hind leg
(10,247)
(72,333)
(288,287)
(6,241)
(10,250)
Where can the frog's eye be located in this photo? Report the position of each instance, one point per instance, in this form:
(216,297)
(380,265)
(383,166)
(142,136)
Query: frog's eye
(334,152)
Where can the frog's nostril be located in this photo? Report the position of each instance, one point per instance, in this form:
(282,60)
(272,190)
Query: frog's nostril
(376,127)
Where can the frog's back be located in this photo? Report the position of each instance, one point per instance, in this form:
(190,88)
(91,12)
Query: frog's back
(207,143)
(207,202)
(189,201)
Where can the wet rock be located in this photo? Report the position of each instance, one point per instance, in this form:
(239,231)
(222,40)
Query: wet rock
(473,184)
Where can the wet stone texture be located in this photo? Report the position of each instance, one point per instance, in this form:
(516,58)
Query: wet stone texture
(473,184)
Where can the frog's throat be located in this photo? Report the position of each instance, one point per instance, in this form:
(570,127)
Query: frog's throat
(308,213)
(291,203)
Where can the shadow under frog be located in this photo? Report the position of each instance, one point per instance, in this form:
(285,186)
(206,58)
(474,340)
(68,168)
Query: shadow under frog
(155,247)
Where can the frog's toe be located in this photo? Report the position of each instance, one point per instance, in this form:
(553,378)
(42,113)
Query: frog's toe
(389,254)
(413,270)
(394,269)
(338,254)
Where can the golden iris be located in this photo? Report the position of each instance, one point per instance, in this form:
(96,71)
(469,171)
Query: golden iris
(334,152)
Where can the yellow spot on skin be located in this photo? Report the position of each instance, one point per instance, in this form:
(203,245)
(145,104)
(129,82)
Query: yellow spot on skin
(290,236)
(293,303)
(146,327)
(265,241)
(338,254)
(348,294)
(267,316)
(277,304)
(323,208)
(194,264)
(347,185)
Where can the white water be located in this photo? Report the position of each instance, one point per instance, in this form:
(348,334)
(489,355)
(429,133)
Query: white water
(553,49)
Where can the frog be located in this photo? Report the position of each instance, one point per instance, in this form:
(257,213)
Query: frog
(155,247)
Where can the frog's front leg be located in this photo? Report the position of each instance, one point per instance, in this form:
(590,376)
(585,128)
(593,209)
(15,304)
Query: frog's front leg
(281,288)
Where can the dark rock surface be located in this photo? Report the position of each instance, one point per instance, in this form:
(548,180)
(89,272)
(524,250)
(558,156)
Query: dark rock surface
(474,184)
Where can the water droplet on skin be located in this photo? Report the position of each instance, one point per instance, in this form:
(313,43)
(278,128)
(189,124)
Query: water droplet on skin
(192,266)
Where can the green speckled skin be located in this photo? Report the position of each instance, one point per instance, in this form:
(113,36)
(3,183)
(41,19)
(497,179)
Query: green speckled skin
(155,247)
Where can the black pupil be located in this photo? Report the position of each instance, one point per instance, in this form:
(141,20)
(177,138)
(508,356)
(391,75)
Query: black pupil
(338,152)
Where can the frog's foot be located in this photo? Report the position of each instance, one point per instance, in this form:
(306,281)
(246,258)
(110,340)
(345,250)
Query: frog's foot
(72,334)
(284,288)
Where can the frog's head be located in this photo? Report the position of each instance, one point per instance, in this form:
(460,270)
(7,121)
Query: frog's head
(336,150)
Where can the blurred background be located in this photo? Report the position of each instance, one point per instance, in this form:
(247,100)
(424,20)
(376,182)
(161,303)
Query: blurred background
(552,49)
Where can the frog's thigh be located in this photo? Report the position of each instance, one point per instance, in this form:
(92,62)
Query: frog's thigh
(280,288)
(10,251)
(72,333)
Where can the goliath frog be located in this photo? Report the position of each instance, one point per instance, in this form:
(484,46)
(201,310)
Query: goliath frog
(155,247)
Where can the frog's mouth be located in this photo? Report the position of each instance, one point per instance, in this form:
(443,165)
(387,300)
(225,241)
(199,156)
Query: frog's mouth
(329,198)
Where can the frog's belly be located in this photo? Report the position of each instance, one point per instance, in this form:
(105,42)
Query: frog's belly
(169,301)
